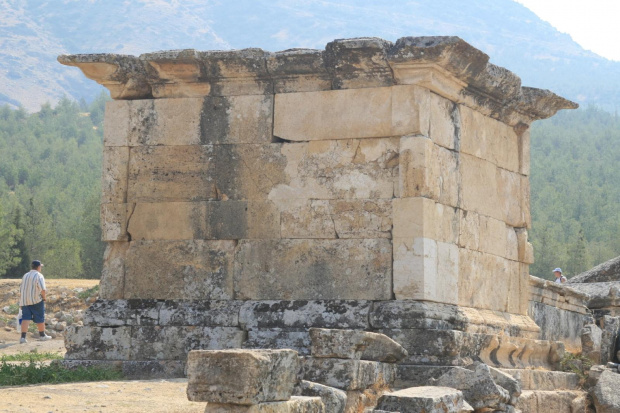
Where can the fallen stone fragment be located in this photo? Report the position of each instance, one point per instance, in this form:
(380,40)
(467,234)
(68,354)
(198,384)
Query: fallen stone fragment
(348,374)
(355,344)
(242,377)
(334,399)
(295,405)
(477,384)
(507,382)
(591,340)
(422,399)
(606,393)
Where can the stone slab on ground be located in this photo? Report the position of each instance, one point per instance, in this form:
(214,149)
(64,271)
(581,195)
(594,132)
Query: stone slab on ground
(477,384)
(297,404)
(422,399)
(348,374)
(333,399)
(606,393)
(241,376)
(355,344)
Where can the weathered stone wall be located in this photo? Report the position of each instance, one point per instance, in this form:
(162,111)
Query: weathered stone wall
(387,175)
(369,171)
(559,311)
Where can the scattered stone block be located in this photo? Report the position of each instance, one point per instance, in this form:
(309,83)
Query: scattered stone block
(610,336)
(245,377)
(355,344)
(295,404)
(477,384)
(591,338)
(422,399)
(334,399)
(605,393)
(348,374)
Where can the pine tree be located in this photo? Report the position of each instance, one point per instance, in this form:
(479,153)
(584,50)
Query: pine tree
(22,265)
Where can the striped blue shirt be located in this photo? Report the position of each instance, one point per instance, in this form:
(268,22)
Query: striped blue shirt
(30,289)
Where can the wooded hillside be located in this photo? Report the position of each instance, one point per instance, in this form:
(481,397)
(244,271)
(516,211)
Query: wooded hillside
(50,171)
(50,167)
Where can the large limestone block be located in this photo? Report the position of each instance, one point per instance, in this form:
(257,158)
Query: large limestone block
(279,338)
(524,153)
(525,250)
(428,170)
(489,139)
(190,121)
(477,384)
(334,399)
(114,218)
(113,272)
(355,344)
(296,404)
(205,220)
(205,313)
(168,221)
(171,173)
(193,269)
(241,376)
(428,347)
(303,314)
(351,113)
(424,218)
(591,340)
(445,122)
(605,393)
(369,218)
(482,275)
(425,269)
(98,343)
(493,236)
(410,314)
(336,169)
(237,119)
(422,399)
(313,269)
(114,177)
(549,401)
(469,230)
(494,192)
(348,374)
(153,122)
(174,342)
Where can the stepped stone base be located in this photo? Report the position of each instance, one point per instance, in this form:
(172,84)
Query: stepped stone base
(563,401)
(155,336)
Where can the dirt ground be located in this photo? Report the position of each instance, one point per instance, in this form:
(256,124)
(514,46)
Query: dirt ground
(153,396)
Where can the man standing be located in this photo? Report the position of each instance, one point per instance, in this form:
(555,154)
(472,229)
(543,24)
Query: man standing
(32,301)
(559,278)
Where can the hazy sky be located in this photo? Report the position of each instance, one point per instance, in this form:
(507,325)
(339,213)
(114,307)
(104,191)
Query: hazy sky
(591,23)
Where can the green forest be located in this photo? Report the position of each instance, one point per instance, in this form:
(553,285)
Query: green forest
(50,168)
(50,171)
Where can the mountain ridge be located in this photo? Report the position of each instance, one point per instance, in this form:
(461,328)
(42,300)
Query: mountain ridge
(36,31)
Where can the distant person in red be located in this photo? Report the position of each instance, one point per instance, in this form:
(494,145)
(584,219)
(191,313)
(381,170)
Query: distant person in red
(32,301)
(559,278)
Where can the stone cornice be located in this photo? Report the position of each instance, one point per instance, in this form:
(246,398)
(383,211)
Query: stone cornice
(447,65)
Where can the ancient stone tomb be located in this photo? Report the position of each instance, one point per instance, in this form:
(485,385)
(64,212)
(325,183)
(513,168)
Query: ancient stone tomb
(249,195)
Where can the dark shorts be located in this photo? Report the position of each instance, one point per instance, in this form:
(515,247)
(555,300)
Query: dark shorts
(34,312)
